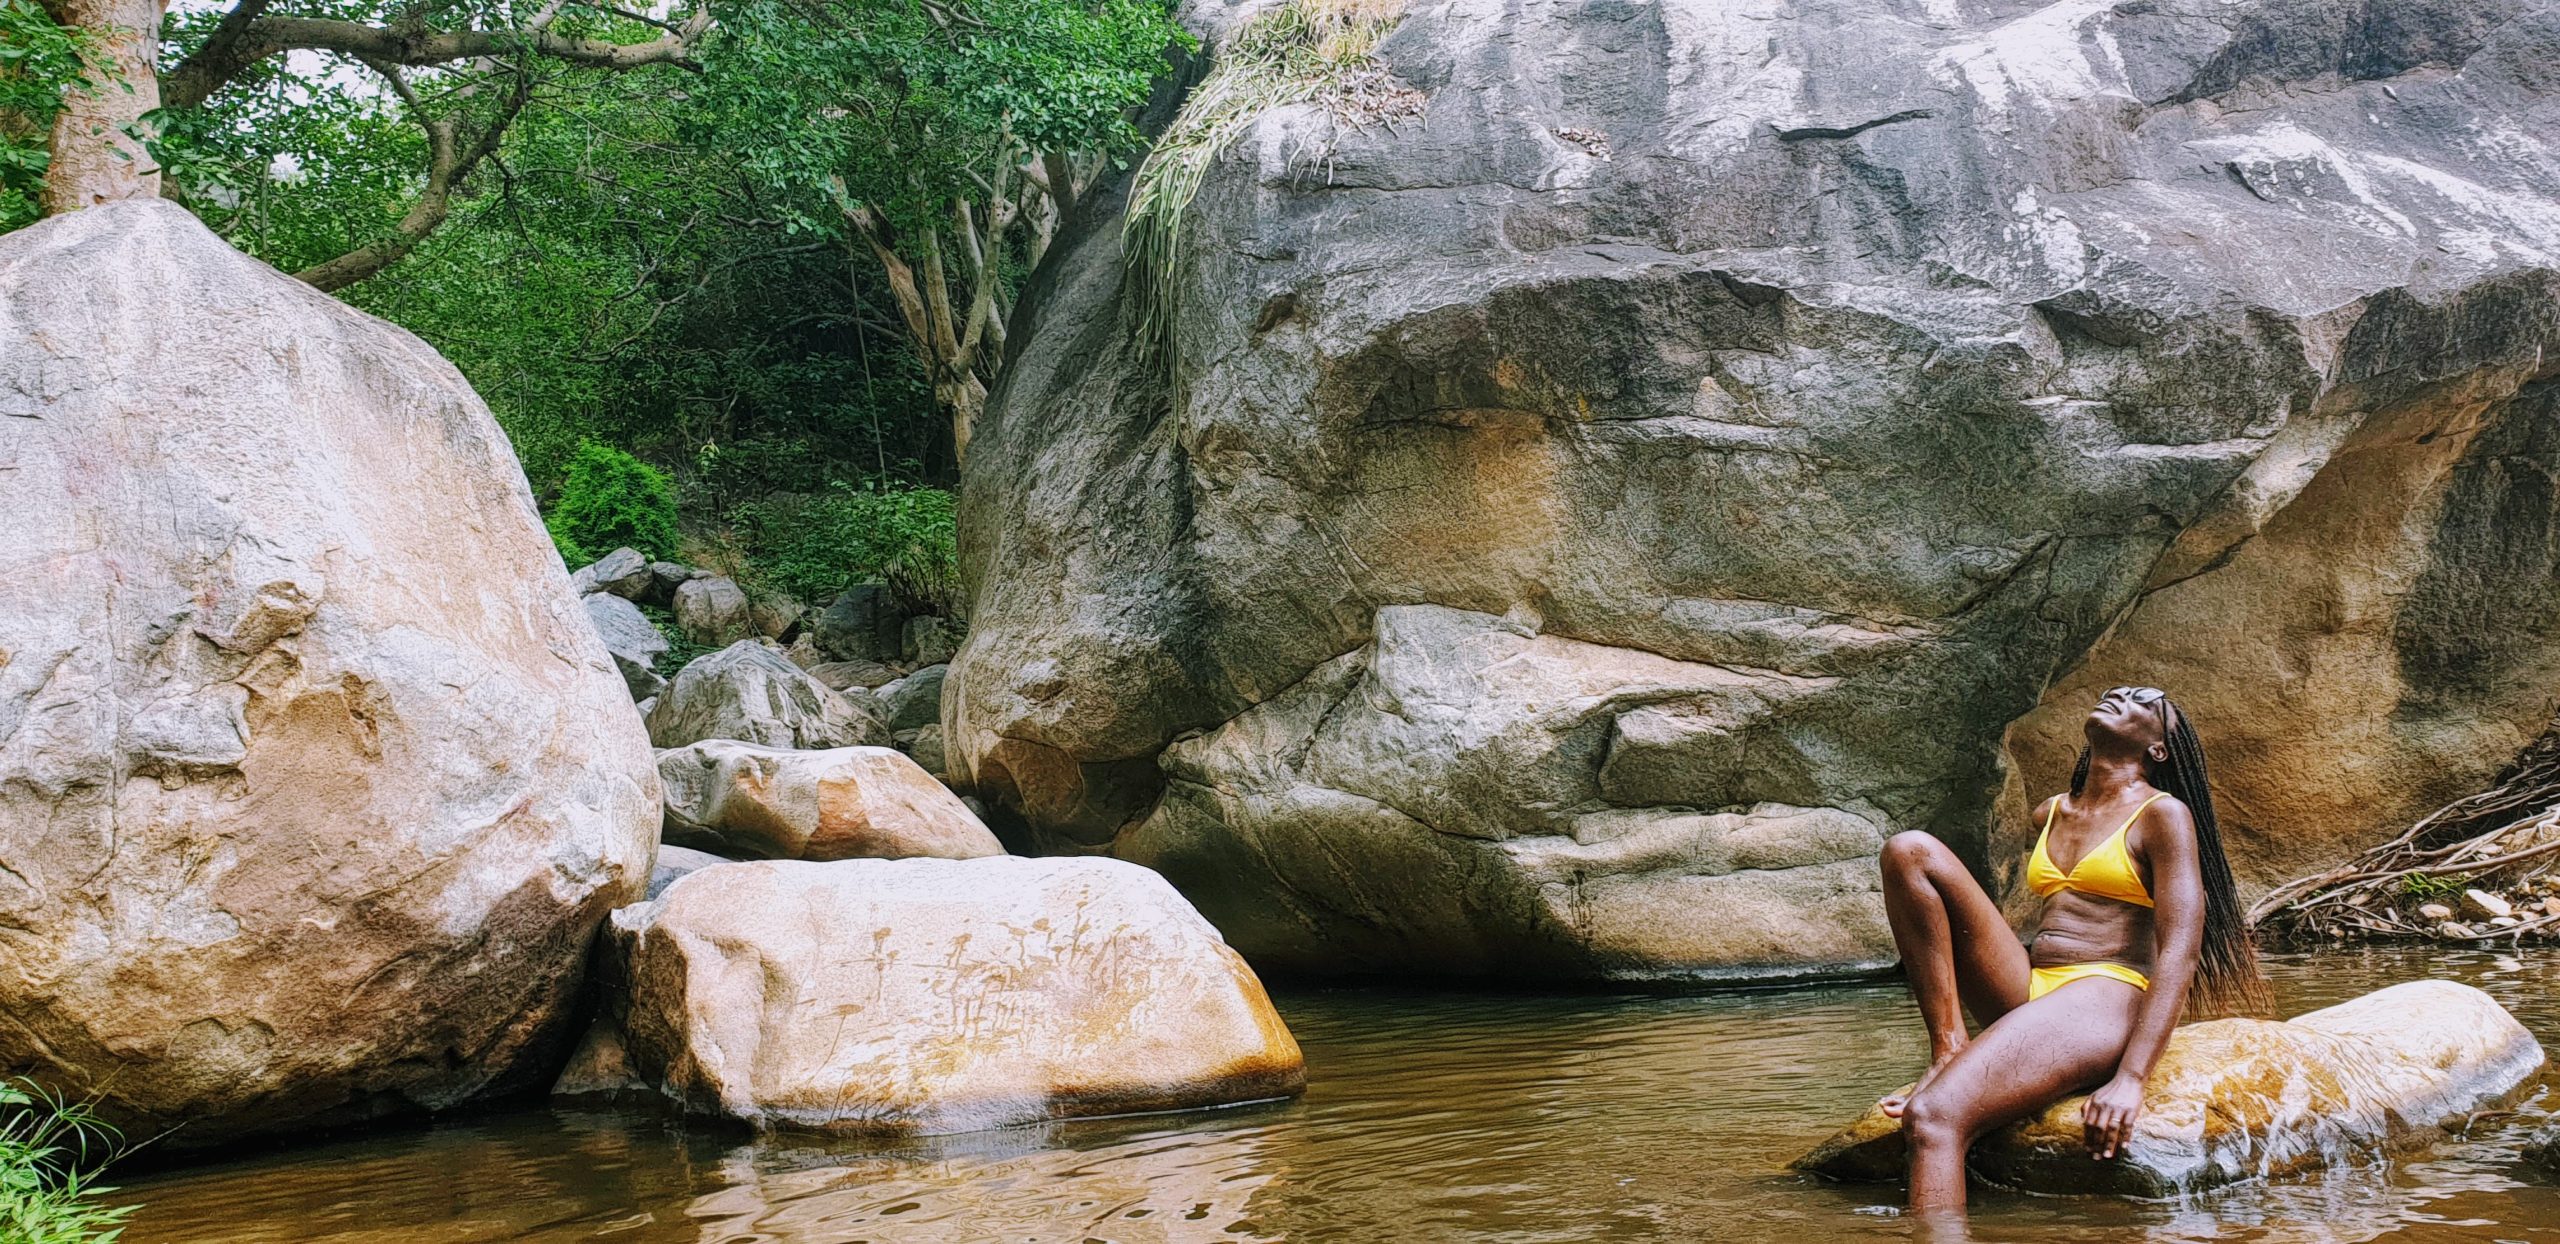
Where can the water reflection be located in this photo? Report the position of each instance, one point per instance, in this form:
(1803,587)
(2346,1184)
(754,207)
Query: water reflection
(1428,1117)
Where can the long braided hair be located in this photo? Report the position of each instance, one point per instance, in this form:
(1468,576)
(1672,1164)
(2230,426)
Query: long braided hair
(2227,980)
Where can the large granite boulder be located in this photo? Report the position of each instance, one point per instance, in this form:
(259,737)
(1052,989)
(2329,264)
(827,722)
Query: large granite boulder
(931,996)
(315,782)
(1803,390)
(2237,1099)
(750,692)
(746,801)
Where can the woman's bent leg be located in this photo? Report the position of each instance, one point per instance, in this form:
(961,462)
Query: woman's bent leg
(1958,952)
(2037,1054)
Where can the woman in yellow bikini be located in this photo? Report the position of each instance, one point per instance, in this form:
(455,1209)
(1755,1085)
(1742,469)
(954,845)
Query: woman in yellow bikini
(2143,922)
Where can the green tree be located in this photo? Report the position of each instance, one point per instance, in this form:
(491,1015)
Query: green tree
(44,66)
(947,138)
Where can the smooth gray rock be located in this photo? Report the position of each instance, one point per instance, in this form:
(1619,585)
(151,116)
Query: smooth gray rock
(749,692)
(862,624)
(635,642)
(929,641)
(913,701)
(675,861)
(664,579)
(315,782)
(622,572)
(855,675)
(924,744)
(1889,360)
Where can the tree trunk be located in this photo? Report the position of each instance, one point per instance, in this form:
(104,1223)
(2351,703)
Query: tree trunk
(964,398)
(94,160)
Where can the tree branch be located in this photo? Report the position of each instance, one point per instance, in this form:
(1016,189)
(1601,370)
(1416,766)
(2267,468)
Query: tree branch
(235,48)
(450,160)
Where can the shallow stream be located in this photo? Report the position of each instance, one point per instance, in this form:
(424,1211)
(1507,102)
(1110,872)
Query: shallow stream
(1428,1116)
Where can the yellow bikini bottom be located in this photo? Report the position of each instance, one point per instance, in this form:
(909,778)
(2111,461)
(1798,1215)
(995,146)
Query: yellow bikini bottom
(2042,981)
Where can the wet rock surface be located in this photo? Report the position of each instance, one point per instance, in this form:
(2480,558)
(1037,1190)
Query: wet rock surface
(1837,385)
(2239,1099)
(312,794)
(935,996)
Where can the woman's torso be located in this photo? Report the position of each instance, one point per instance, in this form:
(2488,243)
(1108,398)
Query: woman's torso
(2082,928)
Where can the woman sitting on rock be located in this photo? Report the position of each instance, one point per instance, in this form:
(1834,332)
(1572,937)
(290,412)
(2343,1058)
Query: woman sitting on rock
(2144,919)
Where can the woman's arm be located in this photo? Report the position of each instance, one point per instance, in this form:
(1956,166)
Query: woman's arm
(2177,922)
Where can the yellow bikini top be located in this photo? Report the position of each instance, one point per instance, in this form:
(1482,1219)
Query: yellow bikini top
(2107,872)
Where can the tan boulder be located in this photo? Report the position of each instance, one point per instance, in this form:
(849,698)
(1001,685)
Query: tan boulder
(315,781)
(713,610)
(741,800)
(933,996)
(2237,1099)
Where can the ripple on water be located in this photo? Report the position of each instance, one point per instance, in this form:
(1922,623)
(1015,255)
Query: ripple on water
(1428,1116)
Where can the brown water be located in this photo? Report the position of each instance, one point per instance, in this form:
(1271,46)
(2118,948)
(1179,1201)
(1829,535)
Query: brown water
(1428,1116)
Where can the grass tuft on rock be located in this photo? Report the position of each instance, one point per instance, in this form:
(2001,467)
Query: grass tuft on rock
(50,1152)
(1303,51)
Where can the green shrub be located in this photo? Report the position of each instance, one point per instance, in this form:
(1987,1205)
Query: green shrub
(815,545)
(609,500)
(50,1150)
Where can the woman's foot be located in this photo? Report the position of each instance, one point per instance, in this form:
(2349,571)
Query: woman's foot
(1892,1104)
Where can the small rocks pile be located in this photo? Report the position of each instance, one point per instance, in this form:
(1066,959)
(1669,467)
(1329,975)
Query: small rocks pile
(2528,907)
(859,672)
(832,939)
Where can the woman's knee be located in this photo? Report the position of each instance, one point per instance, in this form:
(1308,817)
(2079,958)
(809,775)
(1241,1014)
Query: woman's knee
(1929,1120)
(1911,852)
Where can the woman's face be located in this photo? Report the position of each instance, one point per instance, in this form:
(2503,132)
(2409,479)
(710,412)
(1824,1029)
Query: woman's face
(2136,715)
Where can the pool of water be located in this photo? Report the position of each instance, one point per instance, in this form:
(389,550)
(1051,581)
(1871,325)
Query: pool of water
(1428,1116)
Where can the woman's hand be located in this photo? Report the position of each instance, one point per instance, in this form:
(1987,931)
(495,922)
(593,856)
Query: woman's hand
(2107,1117)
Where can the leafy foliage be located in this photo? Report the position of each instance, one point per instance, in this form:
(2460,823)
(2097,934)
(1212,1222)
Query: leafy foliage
(904,105)
(816,545)
(610,500)
(40,65)
(50,1149)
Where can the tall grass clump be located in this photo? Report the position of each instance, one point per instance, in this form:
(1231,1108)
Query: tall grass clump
(1304,51)
(50,1152)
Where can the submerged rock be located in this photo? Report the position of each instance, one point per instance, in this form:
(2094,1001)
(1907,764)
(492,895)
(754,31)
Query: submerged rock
(1897,364)
(752,802)
(931,996)
(752,693)
(315,781)
(2236,1099)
